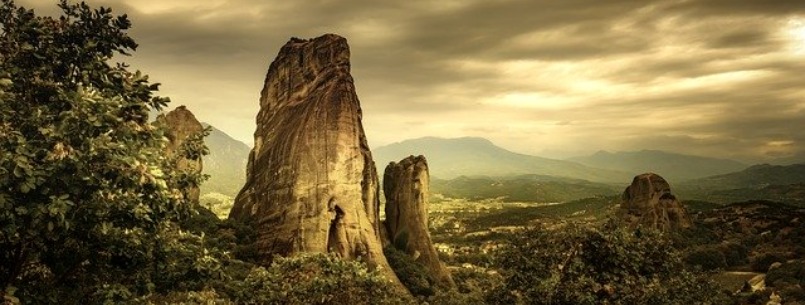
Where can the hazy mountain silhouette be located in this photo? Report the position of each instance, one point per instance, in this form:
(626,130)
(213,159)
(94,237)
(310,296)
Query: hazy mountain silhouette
(472,156)
(798,158)
(672,166)
(759,182)
(226,163)
(754,177)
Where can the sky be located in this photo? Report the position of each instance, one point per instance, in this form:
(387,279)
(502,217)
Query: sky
(555,78)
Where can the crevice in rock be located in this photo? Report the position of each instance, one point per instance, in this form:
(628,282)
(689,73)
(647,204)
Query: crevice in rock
(336,234)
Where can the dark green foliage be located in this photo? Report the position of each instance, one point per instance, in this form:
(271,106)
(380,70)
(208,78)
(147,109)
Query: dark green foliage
(707,258)
(696,235)
(203,221)
(791,273)
(762,262)
(735,254)
(316,279)
(760,297)
(412,274)
(472,285)
(577,265)
(88,201)
(471,280)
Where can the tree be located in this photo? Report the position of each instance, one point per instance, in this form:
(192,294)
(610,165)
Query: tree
(84,188)
(605,265)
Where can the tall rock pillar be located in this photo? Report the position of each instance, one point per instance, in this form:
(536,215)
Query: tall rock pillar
(311,183)
(406,187)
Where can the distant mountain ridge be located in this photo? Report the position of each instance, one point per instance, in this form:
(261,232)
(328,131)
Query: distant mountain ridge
(226,163)
(754,177)
(473,156)
(673,166)
(798,158)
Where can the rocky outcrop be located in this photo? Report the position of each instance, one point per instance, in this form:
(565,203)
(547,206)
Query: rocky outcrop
(311,183)
(405,185)
(648,201)
(758,282)
(180,124)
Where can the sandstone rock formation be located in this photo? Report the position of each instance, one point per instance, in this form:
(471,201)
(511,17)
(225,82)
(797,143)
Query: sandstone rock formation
(311,183)
(406,187)
(180,124)
(648,201)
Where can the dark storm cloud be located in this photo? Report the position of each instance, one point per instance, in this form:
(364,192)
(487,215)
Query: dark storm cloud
(505,69)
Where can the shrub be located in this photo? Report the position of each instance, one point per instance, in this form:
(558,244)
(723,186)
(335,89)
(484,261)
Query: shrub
(608,264)
(788,273)
(762,262)
(735,254)
(412,274)
(316,279)
(706,258)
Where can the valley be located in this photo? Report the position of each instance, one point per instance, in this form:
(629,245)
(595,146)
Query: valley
(538,153)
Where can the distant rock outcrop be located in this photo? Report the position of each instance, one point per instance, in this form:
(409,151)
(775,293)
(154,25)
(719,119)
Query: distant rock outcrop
(648,201)
(180,124)
(311,184)
(405,185)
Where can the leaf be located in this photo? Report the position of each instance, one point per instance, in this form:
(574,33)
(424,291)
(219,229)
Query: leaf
(21,210)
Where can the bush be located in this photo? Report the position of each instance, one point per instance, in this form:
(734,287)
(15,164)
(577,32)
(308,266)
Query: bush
(735,254)
(792,273)
(762,262)
(605,265)
(412,274)
(472,280)
(706,258)
(316,279)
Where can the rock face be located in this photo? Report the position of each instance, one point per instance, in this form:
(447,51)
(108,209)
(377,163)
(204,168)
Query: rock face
(648,201)
(180,124)
(405,185)
(311,184)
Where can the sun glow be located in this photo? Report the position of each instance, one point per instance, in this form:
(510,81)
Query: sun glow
(796,30)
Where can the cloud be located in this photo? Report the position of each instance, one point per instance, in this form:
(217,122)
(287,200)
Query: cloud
(712,77)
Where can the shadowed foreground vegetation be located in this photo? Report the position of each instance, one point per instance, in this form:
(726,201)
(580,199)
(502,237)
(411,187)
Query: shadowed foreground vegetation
(93,212)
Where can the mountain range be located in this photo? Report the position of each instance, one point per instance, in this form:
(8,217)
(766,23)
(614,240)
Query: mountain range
(473,167)
(671,166)
(472,156)
(754,177)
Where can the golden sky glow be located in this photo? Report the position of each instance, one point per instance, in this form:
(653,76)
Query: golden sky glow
(554,78)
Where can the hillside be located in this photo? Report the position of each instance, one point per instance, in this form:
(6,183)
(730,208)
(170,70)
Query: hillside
(226,164)
(755,177)
(798,158)
(675,167)
(471,156)
(766,182)
(525,188)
